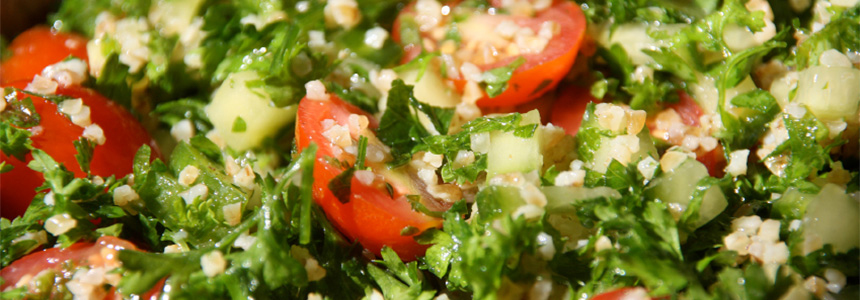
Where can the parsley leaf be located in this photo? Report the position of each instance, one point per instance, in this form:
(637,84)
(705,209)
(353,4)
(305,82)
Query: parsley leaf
(841,33)
(192,109)
(400,280)
(807,155)
(495,81)
(239,125)
(14,141)
(113,81)
(439,117)
(341,185)
(19,112)
(399,127)
(84,156)
(742,129)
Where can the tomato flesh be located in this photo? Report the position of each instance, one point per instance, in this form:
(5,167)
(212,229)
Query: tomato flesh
(37,48)
(541,72)
(372,216)
(55,135)
(78,254)
(569,108)
(688,109)
(690,112)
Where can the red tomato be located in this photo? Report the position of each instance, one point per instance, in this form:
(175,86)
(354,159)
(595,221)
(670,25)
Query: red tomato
(689,111)
(55,135)
(624,293)
(37,48)
(569,108)
(542,71)
(687,108)
(102,253)
(372,216)
(714,160)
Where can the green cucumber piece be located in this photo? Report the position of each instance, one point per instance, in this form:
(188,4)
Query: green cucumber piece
(563,199)
(235,99)
(833,217)
(509,153)
(830,93)
(430,88)
(678,188)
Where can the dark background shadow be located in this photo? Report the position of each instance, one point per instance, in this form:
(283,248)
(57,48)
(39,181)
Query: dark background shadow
(19,15)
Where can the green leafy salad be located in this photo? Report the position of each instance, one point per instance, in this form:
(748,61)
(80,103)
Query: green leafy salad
(421,149)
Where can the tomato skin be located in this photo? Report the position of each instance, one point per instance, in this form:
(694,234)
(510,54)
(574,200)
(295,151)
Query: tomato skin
(372,217)
(541,72)
(124,136)
(53,258)
(625,293)
(569,108)
(78,254)
(37,48)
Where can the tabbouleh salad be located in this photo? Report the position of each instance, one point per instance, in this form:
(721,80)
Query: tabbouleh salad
(501,149)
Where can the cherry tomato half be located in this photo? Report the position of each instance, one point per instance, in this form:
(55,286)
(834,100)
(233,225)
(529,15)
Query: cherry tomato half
(541,72)
(372,216)
(37,48)
(102,253)
(625,293)
(55,135)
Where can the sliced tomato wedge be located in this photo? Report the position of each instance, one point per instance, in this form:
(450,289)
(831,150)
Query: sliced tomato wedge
(56,134)
(101,254)
(569,108)
(626,293)
(373,215)
(37,48)
(541,71)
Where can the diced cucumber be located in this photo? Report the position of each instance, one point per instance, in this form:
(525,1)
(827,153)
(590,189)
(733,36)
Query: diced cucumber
(497,201)
(830,93)
(235,99)
(739,38)
(509,153)
(833,217)
(634,38)
(562,199)
(707,95)
(173,16)
(431,88)
(678,186)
